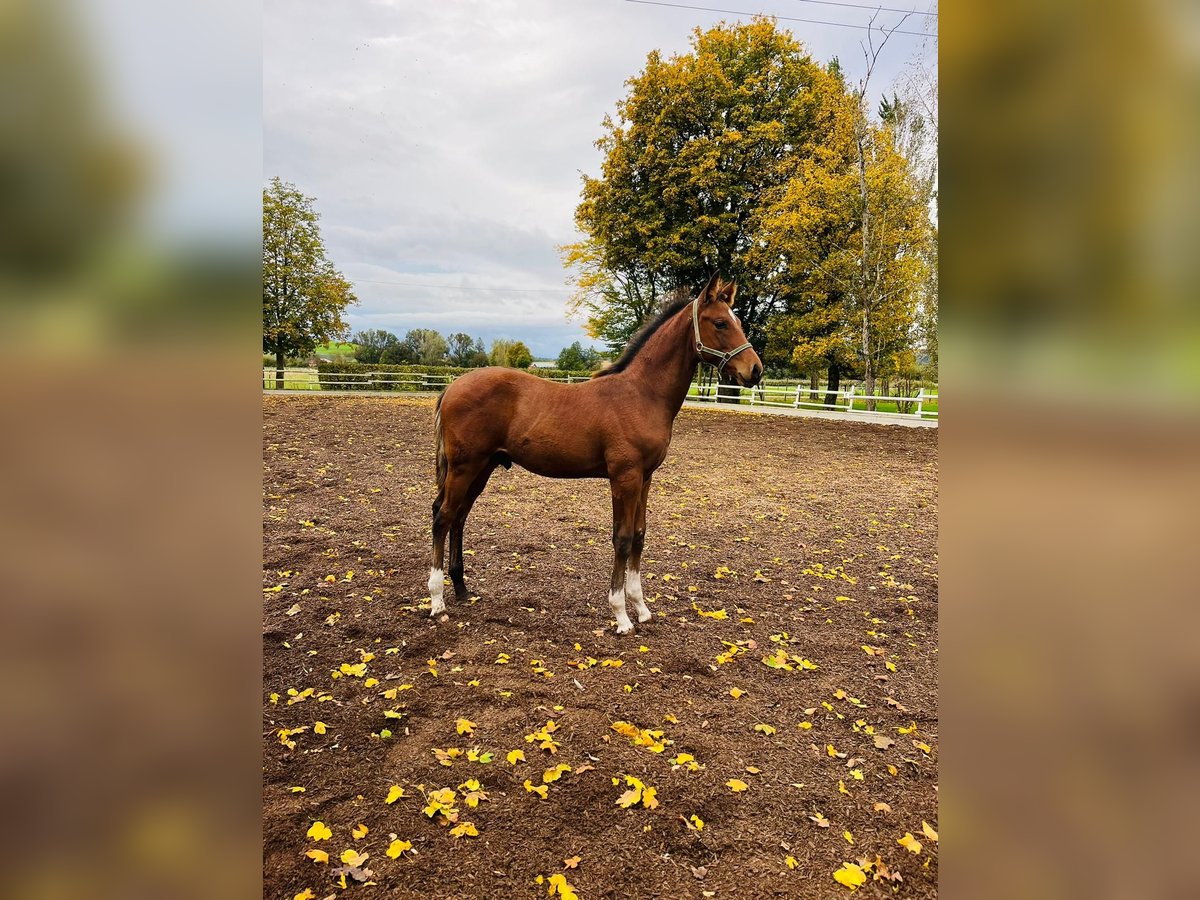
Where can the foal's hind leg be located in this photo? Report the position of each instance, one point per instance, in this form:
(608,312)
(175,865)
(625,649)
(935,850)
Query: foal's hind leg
(456,533)
(447,511)
(633,577)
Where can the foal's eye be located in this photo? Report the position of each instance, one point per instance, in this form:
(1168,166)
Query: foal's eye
(721,324)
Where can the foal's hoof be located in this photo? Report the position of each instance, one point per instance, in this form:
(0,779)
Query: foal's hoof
(625,628)
(645,616)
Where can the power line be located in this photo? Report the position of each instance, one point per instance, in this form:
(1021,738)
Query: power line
(742,12)
(459,287)
(872,8)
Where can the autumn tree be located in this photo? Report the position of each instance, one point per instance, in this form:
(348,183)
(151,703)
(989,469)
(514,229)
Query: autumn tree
(519,356)
(696,145)
(513,354)
(304,296)
(499,352)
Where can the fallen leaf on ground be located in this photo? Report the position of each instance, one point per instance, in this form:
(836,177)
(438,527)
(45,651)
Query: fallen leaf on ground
(851,876)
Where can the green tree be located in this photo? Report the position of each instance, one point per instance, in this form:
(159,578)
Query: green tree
(698,143)
(577,359)
(461,349)
(371,344)
(513,354)
(424,346)
(479,356)
(304,296)
(519,356)
(499,354)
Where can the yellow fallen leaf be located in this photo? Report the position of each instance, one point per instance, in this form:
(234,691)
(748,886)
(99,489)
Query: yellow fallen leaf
(353,857)
(927,830)
(464,726)
(515,756)
(320,832)
(849,838)
(552,775)
(909,843)
(631,797)
(359,831)
(464,829)
(559,884)
(318,856)
(851,876)
(541,790)
(305,894)
(572,862)
(736,785)
(736,692)
(765,729)
(694,822)
(397,847)
(650,798)
(791,862)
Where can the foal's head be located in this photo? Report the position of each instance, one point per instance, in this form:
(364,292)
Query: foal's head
(721,330)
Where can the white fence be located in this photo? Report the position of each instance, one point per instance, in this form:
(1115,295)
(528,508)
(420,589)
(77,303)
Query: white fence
(844,400)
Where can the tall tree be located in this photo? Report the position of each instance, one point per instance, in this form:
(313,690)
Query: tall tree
(519,356)
(304,296)
(578,359)
(461,349)
(500,351)
(479,355)
(698,142)
(370,345)
(424,346)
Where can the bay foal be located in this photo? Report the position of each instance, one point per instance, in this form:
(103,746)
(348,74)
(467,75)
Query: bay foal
(615,426)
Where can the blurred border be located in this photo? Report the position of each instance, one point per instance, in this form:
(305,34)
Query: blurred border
(130,166)
(1070,339)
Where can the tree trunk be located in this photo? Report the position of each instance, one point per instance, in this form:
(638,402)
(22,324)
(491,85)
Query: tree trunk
(835,379)
(813,384)
(868,369)
(280,359)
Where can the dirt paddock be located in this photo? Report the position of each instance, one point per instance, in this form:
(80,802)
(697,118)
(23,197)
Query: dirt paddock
(782,703)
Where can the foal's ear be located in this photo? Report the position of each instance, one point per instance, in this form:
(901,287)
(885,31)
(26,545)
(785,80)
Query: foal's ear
(726,291)
(709,294)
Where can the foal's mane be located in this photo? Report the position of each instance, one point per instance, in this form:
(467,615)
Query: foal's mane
(638,341)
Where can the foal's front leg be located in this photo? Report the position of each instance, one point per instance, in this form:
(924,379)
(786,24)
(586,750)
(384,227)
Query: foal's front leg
(626,492)
(633,578)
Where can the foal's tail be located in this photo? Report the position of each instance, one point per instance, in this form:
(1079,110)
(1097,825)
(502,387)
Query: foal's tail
(439,448)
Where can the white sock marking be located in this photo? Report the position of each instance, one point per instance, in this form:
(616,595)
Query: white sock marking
(633,590)
(437,584)
(616,600)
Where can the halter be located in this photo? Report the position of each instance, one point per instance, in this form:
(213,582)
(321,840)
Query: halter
(701,348)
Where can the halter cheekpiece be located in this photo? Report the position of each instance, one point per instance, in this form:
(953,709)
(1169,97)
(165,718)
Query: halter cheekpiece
(722,357)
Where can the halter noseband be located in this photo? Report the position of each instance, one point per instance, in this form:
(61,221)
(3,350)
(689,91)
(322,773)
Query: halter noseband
(722,357)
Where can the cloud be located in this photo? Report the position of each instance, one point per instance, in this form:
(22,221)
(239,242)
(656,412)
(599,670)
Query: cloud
(447,140)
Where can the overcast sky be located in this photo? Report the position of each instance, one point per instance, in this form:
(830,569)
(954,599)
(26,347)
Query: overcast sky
(444,141)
